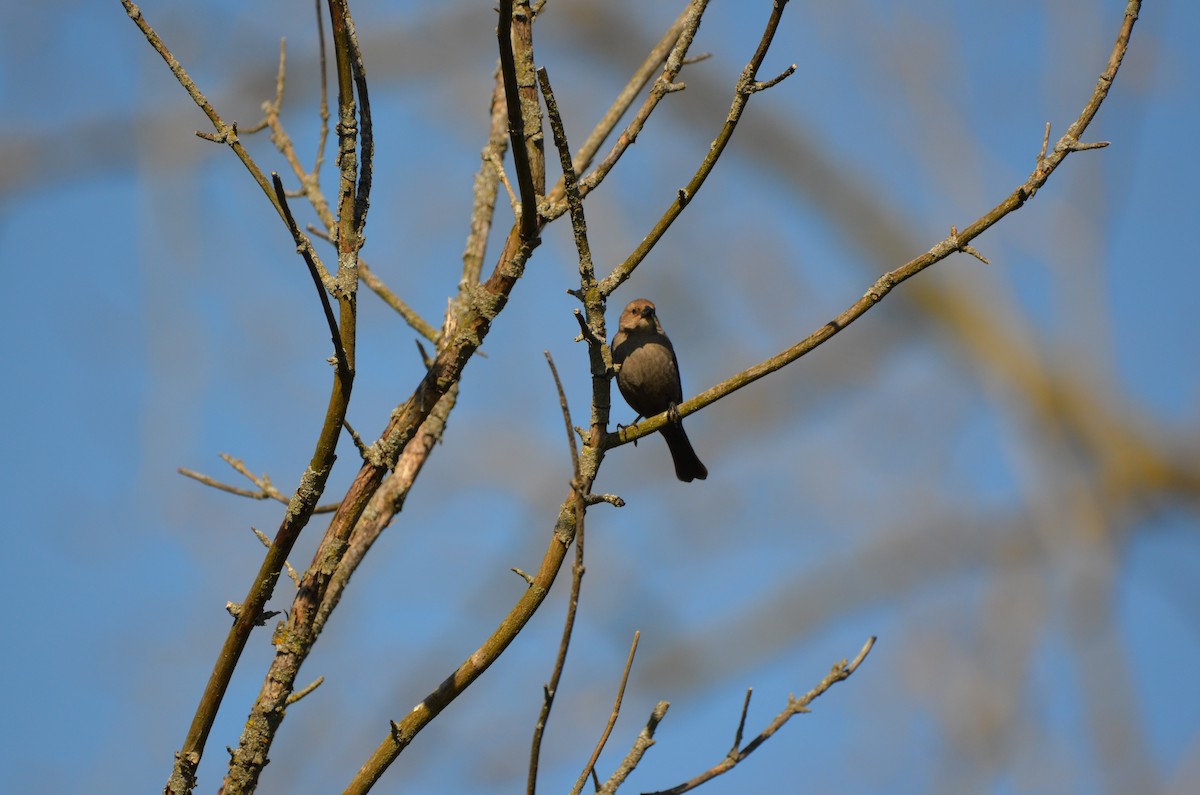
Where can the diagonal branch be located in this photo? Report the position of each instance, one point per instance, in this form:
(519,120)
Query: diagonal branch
(839,673)
(612,718)
(405,731)
(312,482)
(747,85)
(644,740)
(957,241)
(671,48)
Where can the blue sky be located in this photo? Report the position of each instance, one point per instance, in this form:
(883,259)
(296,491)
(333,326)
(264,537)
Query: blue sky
(1036,626)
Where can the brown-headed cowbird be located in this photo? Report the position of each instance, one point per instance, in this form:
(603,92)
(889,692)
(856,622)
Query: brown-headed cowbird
(649,380)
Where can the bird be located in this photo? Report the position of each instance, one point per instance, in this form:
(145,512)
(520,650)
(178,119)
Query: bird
(648,377)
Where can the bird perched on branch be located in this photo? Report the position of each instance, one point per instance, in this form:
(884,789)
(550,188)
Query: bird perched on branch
(649,380)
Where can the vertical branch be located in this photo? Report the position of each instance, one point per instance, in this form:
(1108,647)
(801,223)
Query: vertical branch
(515,36)
(592,322)
(353,184)
(249,613)
(487,183)
(577,571)
(323,112)
(248,759)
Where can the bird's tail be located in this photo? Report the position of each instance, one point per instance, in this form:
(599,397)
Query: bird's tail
(687,465)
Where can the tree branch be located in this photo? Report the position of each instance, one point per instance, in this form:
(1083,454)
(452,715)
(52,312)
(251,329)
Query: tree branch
(612,718)
(841,672)
(550,690)
(515,36)
(955,242)
(746,86)
(312,482)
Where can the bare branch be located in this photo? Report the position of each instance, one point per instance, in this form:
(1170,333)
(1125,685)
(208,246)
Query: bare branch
(577,572)
(305,249)
(299,694)
(266,489)
(737,736)
(1046,164)
(225,133)
(841,672)
(746,87)
(644,740)
(491,172)
(612,718)
(515,35)
(323,112)
(587,272)
(312,483)
(667,45)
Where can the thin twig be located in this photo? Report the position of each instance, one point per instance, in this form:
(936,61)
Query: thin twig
(612,718)
(587,271)
(304,247)
(356,439)
(208,480)
(323,111)
(266,542)
(566,414)
(299,694)
(550,690)
(491,172)
(266,489)
(224,132)
(737,736)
